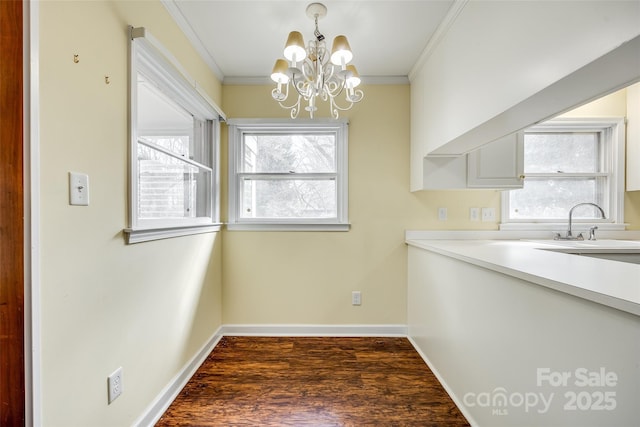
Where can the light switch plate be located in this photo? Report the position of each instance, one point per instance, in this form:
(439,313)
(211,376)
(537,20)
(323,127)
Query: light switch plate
(474,214)
(442,214)
(78,189)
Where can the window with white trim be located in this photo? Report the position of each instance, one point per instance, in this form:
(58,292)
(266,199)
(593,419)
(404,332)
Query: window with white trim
(288,175)
(174,146)
(566,162)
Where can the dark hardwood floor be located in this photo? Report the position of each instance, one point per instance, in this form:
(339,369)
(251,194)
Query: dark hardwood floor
(259,381)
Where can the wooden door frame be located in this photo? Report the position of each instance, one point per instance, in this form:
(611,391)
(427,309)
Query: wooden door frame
(12,197)
(31,352)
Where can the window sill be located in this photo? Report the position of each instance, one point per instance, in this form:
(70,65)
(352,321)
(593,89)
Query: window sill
(148,234)
(288,227)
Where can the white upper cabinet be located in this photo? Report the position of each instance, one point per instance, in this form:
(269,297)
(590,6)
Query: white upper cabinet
(478,83)
(497,165)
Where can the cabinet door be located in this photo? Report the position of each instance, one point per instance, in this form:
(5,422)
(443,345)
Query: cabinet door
(498,165)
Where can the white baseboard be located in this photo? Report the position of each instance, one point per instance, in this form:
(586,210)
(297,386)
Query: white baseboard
(316,330)
(444,384)
(162,402)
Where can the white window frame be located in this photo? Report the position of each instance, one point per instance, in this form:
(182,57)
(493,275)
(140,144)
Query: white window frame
(149,57)
(239,127)
(613,131)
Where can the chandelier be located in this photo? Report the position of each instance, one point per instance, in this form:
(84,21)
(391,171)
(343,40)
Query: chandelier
(314,73)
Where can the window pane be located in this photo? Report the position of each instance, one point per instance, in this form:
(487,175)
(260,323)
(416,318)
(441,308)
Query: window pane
(543,198)
(162,120)
(561,152)
(288,198)
(175,144)
(187,146)
(289,153)
(169,188)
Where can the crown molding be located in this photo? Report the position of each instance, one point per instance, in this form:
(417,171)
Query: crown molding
(176,14)
(438,35)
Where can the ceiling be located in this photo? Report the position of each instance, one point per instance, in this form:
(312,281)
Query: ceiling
(241,39)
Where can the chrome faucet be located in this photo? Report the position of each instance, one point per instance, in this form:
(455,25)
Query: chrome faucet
(569,235)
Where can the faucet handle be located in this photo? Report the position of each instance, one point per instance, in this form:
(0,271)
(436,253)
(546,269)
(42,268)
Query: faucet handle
(592,232)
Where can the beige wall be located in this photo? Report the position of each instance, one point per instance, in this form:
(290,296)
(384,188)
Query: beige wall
(147,307)
(307,277)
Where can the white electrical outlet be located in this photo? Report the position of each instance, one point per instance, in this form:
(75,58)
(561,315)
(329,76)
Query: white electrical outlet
(474,214)
(356,298)
(488,214)
(442,214)
(114,384)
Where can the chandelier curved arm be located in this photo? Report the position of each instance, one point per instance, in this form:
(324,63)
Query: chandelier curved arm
(277,93)
(357,96)
(303,87)
(295,108)
(279,96)
(334,87)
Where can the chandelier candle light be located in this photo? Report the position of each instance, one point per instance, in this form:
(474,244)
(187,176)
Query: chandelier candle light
(313,73)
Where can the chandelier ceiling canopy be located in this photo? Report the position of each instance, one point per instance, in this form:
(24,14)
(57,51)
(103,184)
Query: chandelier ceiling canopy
(314,72)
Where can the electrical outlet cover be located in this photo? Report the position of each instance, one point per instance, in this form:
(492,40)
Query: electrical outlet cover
(114,384)
(356,298)
(488,214)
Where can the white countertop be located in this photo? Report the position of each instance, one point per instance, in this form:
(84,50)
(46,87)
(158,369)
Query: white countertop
(612,283)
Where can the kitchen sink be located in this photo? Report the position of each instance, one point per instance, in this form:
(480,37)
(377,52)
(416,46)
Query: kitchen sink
(630,257)
(613,250)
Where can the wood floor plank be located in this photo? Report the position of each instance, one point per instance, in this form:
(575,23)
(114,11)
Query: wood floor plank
(310,381)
